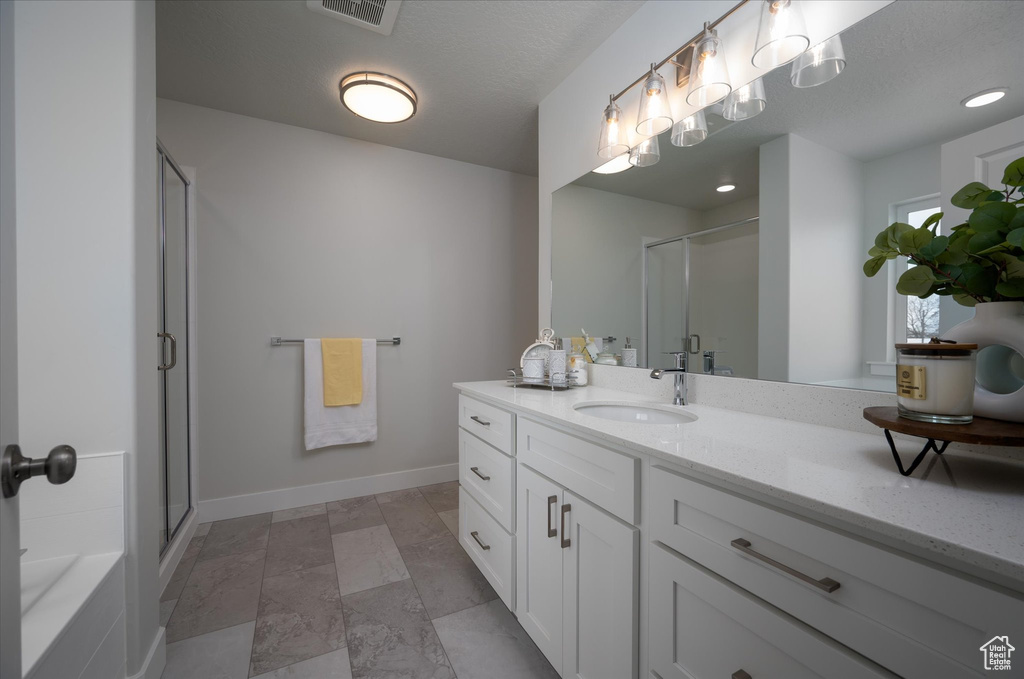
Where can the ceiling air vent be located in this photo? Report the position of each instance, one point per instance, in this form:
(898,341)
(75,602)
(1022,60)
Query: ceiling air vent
(375,15)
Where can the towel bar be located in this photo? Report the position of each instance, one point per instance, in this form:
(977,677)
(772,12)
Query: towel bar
(278,341)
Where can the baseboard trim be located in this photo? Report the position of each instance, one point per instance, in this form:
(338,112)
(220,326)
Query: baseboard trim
(300,496)
(153,667)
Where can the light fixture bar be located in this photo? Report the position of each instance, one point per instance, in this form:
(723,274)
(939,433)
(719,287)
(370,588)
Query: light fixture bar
(682,49)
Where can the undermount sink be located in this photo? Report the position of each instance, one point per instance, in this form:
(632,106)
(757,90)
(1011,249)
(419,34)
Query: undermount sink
(635,413)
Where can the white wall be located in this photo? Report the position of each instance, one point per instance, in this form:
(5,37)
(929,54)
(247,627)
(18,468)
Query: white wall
(85,92)
(744,208)
(308,234)
(597,280)
(774,259)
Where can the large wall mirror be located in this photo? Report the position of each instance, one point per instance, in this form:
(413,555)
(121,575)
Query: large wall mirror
(768,275)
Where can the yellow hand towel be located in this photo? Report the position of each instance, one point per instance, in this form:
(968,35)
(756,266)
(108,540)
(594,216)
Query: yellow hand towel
(579,346)
(343,371)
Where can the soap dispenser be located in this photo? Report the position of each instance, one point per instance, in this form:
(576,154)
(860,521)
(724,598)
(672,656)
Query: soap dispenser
(628,355)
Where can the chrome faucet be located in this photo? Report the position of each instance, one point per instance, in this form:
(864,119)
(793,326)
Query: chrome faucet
(680,373)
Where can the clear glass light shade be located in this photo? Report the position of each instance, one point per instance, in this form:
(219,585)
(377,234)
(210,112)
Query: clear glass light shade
(781,35)
(645,154)
(709,79)
(378,97)
(819,64)
(690,131)
(746,102)
(617,164)
(655,114)
(613,138)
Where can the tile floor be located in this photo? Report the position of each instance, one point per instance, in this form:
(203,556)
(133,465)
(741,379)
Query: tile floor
(374,587)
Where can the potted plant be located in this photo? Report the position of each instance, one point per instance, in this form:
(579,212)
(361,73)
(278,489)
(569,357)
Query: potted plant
(980,263)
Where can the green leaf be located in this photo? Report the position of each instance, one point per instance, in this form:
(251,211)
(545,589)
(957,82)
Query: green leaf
(982,283)
(981,242)
(917,280)
(934,248)
(915,239)
(992,217)
(932,219)
(1015,237)
(995,197)
(872,266)
(876,251)
(882,239)
(964,300)
(1013,266)
(1014,174)
(1018,219)
(1011,288)
(948,273)
(971,196)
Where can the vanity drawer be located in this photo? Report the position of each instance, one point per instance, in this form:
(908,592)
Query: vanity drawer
(489,477)
(491,424)
(604,477)
(702,627)
(912,618)
(490,546)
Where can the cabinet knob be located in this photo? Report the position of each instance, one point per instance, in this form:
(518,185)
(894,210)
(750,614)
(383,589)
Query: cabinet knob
(740,674)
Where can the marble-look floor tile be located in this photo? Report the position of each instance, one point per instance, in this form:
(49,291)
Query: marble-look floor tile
(390,635)
(354,513)
(410,517)
(298,544)
(166,608)
(446,578)
(442,496)
(300,617)
(486,641)
(234,536)
(220,592)
(333,665)
(450,518)
(202,529)
(367,558)
(223,654)
(183,569)
(298,513)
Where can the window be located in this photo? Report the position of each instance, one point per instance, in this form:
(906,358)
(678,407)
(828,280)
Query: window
(916,319)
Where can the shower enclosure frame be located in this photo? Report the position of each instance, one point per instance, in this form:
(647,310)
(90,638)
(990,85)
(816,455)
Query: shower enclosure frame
(685,238)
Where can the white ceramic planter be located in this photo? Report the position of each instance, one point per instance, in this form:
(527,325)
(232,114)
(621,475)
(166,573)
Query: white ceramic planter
(996,324)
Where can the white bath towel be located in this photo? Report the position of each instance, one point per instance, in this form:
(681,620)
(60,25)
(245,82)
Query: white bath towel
(337,425)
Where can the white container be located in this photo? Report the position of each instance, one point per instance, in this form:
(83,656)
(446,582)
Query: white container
(556,362)
(577,369)
(935,382)
(628,355)
(533,368)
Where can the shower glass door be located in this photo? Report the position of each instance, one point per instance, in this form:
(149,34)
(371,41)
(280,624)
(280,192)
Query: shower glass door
(176,497)
(664,269)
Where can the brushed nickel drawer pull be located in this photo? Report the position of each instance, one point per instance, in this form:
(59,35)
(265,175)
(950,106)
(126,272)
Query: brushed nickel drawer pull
(552,500)
(479,421)
(565,541)
(476,470)
(740,674)
(827,585)
(476,537)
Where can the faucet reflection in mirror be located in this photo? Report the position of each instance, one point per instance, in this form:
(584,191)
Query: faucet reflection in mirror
(679,371)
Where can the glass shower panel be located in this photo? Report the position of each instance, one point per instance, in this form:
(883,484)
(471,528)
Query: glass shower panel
(722,299)
(175,358)
(666,326)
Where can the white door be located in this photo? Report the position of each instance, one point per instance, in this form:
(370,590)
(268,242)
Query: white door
(600,593)
(539,561)
(10,541)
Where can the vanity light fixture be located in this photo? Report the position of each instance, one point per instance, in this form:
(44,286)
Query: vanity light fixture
(646,153)
(612,142)
(725,188)
(709,81)
(745,102)
(616,164)
(819,64)
(781,34)
(985,98)
(655,114)
(378,97)
(690,131)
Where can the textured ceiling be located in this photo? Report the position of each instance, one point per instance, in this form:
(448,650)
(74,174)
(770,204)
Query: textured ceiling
(479,68)
(908,68)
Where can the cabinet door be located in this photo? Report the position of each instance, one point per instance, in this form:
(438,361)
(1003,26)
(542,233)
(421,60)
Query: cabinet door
(600,594)
(539,561)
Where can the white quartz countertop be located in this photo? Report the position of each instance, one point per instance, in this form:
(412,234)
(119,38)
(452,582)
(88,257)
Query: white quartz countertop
(962,510)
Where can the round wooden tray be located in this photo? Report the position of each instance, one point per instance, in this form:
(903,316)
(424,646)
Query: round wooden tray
(981,431)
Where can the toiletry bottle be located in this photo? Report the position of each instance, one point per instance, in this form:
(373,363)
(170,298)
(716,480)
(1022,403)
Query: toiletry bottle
(628,355)
(578,370)
(556,362)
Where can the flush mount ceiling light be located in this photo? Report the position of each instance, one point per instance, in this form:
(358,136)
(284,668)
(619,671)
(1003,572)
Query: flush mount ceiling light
(655,114)
(612,142)
(985,98)
(725,188)
(781,35)
(617,164)
(378,97)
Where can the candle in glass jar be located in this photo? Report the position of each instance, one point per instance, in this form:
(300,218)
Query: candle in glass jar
(935,382)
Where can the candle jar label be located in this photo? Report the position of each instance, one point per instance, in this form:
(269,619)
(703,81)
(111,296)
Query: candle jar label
(910,382)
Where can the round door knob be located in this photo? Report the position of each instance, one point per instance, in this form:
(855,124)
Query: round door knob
(61,464)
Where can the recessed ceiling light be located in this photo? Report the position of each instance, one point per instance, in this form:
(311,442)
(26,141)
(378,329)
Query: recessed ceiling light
(984,98)
(378,97)
(616,164)
(725,188)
